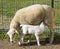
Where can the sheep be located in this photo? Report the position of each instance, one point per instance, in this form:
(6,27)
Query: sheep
(32,29)
(33,15)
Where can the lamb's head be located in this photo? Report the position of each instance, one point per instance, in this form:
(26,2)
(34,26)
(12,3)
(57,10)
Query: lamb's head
(11,33)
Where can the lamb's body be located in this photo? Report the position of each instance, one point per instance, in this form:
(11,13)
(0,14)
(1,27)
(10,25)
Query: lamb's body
(33,15)
(30,29)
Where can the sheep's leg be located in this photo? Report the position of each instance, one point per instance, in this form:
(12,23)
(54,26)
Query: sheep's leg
(37,38)
(51,35)
(51,27)
(21,40)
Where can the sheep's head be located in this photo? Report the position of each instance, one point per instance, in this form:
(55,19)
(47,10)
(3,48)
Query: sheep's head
(11,33)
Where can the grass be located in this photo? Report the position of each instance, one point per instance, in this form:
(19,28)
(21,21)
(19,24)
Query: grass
(44,36)
(9,7)
(4,36)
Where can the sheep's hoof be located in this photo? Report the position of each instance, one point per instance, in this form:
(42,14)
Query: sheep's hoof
(19,43)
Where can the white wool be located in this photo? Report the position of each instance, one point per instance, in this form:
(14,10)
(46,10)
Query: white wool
(31,29)
(32,15)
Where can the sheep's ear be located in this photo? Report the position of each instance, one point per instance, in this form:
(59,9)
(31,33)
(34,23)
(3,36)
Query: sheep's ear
(8,32)
(16,31)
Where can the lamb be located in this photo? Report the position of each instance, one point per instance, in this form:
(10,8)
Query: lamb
(33,15)
(31,29)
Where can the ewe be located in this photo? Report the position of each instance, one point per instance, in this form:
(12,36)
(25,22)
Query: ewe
(33,15)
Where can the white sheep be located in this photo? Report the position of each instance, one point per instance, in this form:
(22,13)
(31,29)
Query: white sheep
(32,29)
(33,15)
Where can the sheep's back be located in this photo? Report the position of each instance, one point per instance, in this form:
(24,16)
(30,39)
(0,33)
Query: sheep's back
(31,14)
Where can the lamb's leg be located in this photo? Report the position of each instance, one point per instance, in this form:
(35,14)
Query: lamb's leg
(29,40)
(37,38)
(21,40)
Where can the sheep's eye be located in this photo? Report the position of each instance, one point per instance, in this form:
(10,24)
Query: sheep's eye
(14,33)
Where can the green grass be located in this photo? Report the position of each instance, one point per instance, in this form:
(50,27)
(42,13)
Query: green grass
(9,7)
(44,36)
(3,35)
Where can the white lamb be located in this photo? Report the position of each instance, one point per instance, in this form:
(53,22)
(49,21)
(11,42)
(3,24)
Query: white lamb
(31,29)
(32,15)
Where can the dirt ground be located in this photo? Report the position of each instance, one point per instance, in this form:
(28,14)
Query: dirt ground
(4,44)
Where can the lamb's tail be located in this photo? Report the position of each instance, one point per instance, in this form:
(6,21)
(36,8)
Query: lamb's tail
(42,24)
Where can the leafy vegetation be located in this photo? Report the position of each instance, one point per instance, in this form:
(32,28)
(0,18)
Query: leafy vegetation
(9,7)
